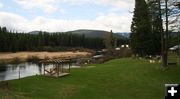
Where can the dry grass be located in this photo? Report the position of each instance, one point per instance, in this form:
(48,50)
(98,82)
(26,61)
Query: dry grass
(42,55)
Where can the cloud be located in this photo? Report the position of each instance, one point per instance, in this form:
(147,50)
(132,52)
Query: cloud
(115,22)
(48,6)
(12,21)
(123,4)
(62,11)
(118,4)
(1,5)
(112,21)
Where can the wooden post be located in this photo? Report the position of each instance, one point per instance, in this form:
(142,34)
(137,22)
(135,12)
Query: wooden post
(62,67)
(69,66)
(19,72)
(44,68)
(58,69)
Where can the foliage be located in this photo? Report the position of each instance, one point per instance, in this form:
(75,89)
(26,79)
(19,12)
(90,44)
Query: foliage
(174,39)
(141,36)
(33,59)
(109,40)
(16,60)
(45,41)
(2,66)
(125,52)
(167,11)
(156,23)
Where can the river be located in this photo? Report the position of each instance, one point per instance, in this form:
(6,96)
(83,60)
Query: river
(12,71)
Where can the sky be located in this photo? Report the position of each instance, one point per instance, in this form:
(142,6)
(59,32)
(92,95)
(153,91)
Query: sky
(66,15)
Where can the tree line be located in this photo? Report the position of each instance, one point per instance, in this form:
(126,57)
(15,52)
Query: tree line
(150,26)
(152,23)
(44,41)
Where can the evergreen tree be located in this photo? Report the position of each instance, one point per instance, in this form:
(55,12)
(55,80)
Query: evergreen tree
(156,22)
(109,42)
(141,36)
(44,41)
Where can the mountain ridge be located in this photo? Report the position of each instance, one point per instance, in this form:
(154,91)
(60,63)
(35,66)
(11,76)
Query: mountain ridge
(90,33)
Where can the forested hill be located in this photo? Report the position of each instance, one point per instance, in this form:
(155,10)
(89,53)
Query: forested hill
(92,33)
(45,41)
(97,33)
(89,33)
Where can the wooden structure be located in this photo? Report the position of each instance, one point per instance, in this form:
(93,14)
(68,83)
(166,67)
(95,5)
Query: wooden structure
(61,67)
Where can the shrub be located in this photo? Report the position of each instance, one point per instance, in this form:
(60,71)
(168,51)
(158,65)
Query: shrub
(46,58)
(33,59)
(125,52)
(16,60)
(2,67)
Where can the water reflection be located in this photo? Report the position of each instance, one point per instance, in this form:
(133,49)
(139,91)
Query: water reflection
(2,67)
(16,71)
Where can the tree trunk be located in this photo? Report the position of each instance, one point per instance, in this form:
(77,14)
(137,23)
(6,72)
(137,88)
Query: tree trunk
(166,36)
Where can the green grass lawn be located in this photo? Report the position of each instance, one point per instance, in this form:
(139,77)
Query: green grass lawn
(116,79)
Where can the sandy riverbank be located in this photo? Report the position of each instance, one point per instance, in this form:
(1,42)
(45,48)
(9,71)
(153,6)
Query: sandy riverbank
(42,55)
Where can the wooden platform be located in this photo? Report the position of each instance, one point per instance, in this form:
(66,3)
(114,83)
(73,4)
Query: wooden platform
(60,75)
(58,70)
(56,61)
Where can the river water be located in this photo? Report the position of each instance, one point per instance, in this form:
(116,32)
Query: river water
(11,71)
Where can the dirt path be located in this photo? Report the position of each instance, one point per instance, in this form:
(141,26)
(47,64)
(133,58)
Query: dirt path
(42,55)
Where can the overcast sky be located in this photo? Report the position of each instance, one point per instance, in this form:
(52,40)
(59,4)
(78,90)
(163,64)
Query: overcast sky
(66,15)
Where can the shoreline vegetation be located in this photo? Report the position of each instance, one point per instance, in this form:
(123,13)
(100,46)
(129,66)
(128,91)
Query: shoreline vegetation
(7,57)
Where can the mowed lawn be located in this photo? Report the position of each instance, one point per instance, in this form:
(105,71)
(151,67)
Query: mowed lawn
(117,79)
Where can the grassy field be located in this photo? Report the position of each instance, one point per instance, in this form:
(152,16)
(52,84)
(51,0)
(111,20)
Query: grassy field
(116,79)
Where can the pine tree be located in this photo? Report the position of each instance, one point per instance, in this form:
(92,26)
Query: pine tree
(109,40)
(156,22)
(141,36)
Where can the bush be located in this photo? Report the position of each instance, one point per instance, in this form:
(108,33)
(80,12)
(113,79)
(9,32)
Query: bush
(2,67)
(33,59)
(112,54)
(125,52)
(108,57)
(50,48)
(16,60)
(46,58)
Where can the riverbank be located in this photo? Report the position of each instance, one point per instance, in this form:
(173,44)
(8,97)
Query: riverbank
(23,56)
(120,78)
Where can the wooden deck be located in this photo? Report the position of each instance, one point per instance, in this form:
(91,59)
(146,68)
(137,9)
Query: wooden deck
(60,75)
(59,70)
